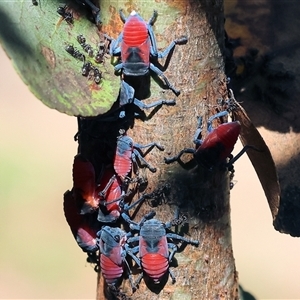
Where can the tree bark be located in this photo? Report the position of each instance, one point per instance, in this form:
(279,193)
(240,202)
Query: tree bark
(197,69)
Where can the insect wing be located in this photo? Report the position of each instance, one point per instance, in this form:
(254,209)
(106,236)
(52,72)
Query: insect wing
(145,51)
(155,246)
(116,255)
(262,160)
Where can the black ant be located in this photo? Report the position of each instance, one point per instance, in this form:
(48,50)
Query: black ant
(103,48)
(81,39)
(68,16)
(86,68)
(97,74)
(86,47)
(75,53)
(35,3)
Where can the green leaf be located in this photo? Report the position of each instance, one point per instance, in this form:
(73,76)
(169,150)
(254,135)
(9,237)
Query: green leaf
(35,37)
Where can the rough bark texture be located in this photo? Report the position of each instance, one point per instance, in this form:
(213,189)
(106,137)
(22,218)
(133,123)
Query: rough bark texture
(206,272)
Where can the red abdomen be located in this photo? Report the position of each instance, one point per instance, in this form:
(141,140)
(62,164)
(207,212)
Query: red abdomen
(110,270)
(228,134)
(218,145)
(155,265)
(135,31)
(122,163)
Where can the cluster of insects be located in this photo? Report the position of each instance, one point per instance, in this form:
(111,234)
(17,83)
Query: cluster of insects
(105,183)
(88,69)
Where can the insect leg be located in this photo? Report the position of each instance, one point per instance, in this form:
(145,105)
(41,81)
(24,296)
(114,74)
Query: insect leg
(150,145)
(110,182)
(161,74)
(182,238)
(170,160)
(172,276)
(196,139)
(136,153)
(127,96)
(114,49)
(132,284)
(118,67)
(142,105)
(173,248)
(128,207)
(133,239)
(153,18)
(234,159)
(131,251)
(153,48)
(218,115)
(137,226)
(139,279)
(180,41)
(122,16)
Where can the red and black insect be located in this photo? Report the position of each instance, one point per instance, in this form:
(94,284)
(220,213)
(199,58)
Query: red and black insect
(104,194)
(127,153)
(84,185)
(138,50)
(67,16)
(213,151)
(83,227)
(153,247)
(112,204)
(111,242)
(110,197)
